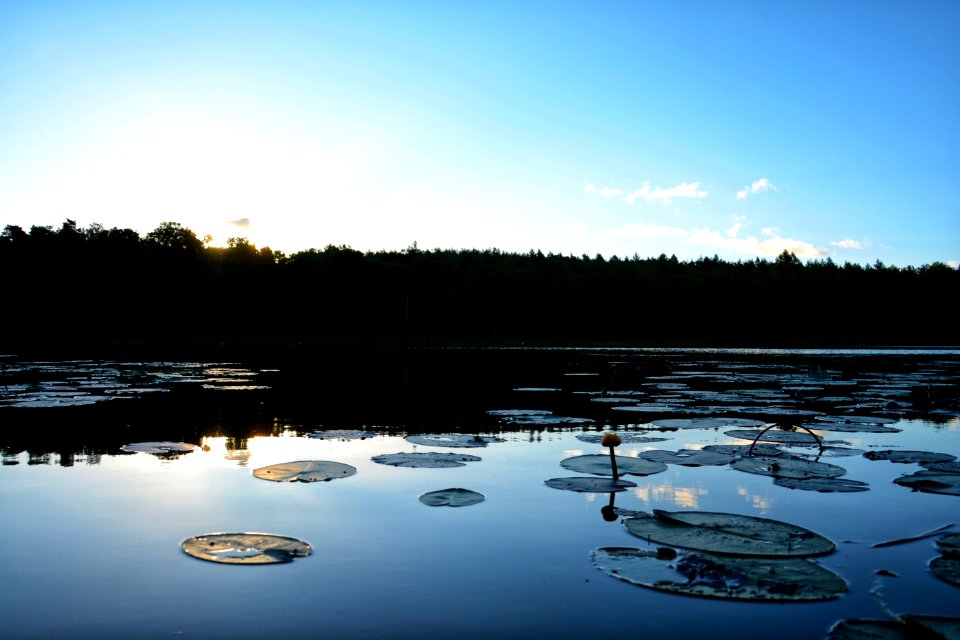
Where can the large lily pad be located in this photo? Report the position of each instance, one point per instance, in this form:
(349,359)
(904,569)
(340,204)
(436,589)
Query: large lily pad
(932,482)
(590,485)
(728,534)
(627,437)
(341,434)
(305,471)
(907,627)
(706,423)
(159,447)
(599,464)
(741,450)
(787,467)
(823,485)
(245,548)
(689,457)
(909,457)
(773,435)
(947,568)
(427,460)
(459,440)
(949,544)
(712,576)
(455,497)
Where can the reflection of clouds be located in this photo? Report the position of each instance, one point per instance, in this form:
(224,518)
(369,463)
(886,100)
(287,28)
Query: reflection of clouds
(687,497)
(758,502)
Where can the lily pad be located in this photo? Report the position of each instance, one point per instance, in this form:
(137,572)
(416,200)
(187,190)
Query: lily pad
(245,548)
(159,447)
(907,627)
(706,423)
(932,482)
(728,534)
(740,450)
(625,438)
(851,419)
(599,464)
(305,471)
(590,485)
(909,457)
(689,457)
(947,568)
(711,576)
(773,435)
(823,485)
(341,434)
(949,544)
(451,440)
(787,467)
(455,497)
(427,460)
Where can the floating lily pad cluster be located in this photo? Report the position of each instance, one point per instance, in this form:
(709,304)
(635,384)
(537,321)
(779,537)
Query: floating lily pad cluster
(941,473)
(44,385)
(947,565)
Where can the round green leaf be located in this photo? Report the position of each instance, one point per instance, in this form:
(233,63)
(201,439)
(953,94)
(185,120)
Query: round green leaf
(245,548)
(428,460)
(932,482)
(711,576)
(728,534)
(787,467)
(823,485)
(689,457)
(705,423)
(590,485)
(159,447)
(455,497)
(305,471)
(451,440)
(599,464)
(947,568)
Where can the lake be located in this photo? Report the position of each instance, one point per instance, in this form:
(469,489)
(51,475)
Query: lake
(91,534)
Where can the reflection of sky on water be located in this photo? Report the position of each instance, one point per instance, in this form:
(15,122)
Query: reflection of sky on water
(381,558)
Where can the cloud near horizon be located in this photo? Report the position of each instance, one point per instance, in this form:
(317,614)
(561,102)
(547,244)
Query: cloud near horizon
(849,243)
(243,223)
(653,195)
(756,187)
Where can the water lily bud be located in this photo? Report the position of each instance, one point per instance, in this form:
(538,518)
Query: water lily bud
(610,440)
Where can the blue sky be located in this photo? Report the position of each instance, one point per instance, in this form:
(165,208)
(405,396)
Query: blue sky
(737,129)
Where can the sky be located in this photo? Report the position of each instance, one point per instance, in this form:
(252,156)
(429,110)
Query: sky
(729,128)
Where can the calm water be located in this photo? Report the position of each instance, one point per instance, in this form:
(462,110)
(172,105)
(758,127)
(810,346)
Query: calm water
(90,535)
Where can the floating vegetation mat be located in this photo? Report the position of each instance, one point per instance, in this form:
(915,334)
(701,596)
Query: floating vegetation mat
(455,497)
(305,471)
(711,576)
(245,548)
(905,627)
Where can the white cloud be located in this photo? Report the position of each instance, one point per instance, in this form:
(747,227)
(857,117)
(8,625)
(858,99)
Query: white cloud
(954,263)
(850,244)
(666,196)
(759,185)
(605,192)
(752,246)
(734,230)
(243,223)
(769,231)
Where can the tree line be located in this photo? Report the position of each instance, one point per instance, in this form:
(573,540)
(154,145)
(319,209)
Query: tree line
(94,286)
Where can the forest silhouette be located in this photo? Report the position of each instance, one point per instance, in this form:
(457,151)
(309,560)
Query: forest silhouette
(97,288)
